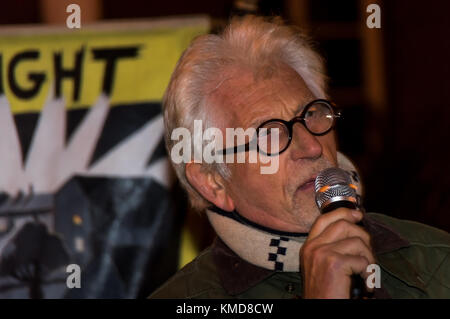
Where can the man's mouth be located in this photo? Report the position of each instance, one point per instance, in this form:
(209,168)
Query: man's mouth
(308,185)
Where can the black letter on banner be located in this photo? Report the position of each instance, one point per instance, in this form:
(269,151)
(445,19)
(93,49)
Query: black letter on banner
(37,78)
(75,73)
(111,55)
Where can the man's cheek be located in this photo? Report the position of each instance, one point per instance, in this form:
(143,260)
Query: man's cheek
(269,165)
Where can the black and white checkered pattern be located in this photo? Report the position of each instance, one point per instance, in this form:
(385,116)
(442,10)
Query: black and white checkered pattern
(280,251)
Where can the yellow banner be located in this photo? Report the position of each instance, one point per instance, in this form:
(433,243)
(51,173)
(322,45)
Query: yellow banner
(130,64)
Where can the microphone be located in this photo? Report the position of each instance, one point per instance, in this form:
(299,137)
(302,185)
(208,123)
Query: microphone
(334,189)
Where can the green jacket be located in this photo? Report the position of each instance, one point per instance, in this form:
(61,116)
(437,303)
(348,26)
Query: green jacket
(414,261)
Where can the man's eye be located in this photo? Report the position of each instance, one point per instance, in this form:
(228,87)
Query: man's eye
(313,111)
(310,113)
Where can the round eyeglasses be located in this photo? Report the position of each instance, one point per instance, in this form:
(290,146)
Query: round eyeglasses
(274,136)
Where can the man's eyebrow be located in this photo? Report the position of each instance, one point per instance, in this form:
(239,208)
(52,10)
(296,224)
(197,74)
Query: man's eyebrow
(301,105)
(258,122)
(300,108)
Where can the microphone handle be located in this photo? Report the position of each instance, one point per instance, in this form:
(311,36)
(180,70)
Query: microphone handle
(358,288)
(338,204)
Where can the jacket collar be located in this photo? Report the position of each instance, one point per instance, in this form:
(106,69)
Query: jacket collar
(238,275)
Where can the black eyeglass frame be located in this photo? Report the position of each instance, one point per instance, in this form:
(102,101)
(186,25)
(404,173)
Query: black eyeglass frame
(290,126)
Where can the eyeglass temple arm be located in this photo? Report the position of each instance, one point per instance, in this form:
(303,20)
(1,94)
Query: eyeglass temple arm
(238,149)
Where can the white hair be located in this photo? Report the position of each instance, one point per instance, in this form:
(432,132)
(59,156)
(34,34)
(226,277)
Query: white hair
(250,41)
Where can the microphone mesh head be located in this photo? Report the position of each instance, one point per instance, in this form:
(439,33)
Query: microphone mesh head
(333,184)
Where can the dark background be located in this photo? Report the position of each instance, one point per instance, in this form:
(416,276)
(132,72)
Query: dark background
(402,148)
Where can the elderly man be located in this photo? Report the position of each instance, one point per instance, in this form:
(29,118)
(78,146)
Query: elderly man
(272,240)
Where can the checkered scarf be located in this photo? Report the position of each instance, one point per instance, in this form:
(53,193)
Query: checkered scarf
(261,246)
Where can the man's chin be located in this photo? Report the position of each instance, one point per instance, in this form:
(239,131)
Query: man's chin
(306,213)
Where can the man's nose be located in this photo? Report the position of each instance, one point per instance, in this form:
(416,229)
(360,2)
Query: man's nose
(304,144)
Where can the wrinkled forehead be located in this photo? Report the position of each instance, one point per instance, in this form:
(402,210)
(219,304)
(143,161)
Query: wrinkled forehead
(242,93)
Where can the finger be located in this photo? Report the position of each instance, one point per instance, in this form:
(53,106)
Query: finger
(357,265)
(323,221)
(342,229)
(353,246)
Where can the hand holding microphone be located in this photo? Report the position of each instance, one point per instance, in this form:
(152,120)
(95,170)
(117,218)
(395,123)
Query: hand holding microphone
(337,252)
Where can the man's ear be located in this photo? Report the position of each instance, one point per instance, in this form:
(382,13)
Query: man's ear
(210,185)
